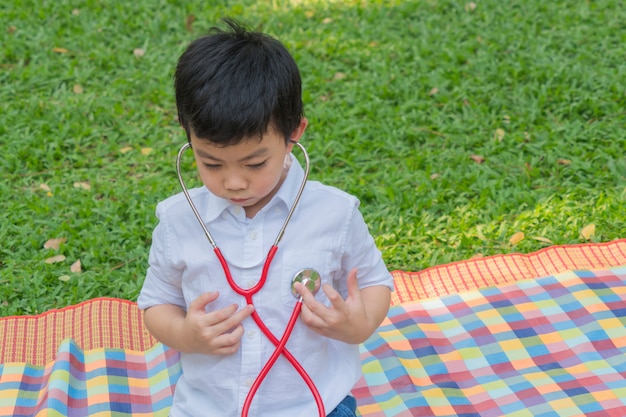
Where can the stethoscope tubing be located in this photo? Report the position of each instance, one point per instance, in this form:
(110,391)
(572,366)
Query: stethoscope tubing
(279,236)
(280,345)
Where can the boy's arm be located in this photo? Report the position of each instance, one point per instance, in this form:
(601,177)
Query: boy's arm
(352,320)
(164,322)
(196,331)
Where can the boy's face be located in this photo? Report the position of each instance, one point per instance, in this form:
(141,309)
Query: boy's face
(247,174)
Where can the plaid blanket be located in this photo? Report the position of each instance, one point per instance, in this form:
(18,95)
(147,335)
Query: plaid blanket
(98,382)
(550,347)
(553,346)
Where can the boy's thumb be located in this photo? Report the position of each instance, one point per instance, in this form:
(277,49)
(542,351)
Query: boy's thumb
(200,303)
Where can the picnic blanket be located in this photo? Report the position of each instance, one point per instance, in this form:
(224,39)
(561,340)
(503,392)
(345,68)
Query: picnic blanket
(491,343)
(553,346)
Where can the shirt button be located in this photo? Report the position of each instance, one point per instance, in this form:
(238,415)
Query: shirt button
(251,334)
(250,283)
(248,382)
(253,235)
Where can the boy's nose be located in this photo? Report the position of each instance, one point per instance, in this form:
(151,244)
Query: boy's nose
(235,183)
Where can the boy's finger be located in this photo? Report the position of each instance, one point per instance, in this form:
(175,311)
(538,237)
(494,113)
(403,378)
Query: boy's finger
(305,293)
(333,296)
(229,343)
(228,317)
(353,284)
(245,312)
(308,299)
(204,299)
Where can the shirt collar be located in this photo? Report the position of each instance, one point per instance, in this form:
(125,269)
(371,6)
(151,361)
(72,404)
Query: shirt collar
(286,194)
(289,189)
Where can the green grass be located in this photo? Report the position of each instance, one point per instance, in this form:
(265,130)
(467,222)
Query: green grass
(399,94)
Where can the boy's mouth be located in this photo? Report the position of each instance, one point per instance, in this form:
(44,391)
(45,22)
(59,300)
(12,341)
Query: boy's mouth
(239,201)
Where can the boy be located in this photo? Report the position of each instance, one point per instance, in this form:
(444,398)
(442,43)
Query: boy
(238,95)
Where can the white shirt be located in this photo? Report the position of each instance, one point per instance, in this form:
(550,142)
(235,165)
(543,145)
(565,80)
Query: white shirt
(326,232)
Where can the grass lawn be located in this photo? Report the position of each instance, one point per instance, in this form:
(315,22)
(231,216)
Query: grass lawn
(460,125)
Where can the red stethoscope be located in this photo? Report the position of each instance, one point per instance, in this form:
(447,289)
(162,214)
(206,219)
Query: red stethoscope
(308,277)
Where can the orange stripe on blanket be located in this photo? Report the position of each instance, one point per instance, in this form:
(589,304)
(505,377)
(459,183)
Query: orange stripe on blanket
(499,269)
(98,323)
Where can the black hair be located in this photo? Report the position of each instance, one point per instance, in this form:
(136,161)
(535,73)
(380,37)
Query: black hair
(233,85)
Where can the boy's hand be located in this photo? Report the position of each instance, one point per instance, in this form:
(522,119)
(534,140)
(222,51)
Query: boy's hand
(351,320)
(216,333)
(196,331)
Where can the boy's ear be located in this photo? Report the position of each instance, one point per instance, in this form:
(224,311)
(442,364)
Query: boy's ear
(299,131)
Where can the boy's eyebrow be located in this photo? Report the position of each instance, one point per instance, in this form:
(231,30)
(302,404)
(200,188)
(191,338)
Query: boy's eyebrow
(255,154)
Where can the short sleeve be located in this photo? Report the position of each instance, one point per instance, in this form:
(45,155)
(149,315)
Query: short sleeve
(360,252)
(163,282)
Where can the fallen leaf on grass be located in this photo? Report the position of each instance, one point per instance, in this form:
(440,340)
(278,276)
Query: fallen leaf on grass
(76,12)
(54,243)
(588,231)
(477,256)
(499,134)
(478,159)
(146,151)
(189,22)
(139,52)
(327,20)
(55,259)
(76,267)
(126,149)
(11,29)
(64,278)
(82,184)
(563,161)
(543,239)
(57,50)
(434,176)
(516,238)
(78,89)
(470,7)
(339,76)
(433,91)
(45,187)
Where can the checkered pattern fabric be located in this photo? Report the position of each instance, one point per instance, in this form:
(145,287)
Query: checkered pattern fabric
(99,382)
(550,347)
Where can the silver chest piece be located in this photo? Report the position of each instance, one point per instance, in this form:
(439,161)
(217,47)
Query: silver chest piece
(309,277)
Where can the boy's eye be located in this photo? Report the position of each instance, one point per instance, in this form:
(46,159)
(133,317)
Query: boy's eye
(257,166)
(211,166)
